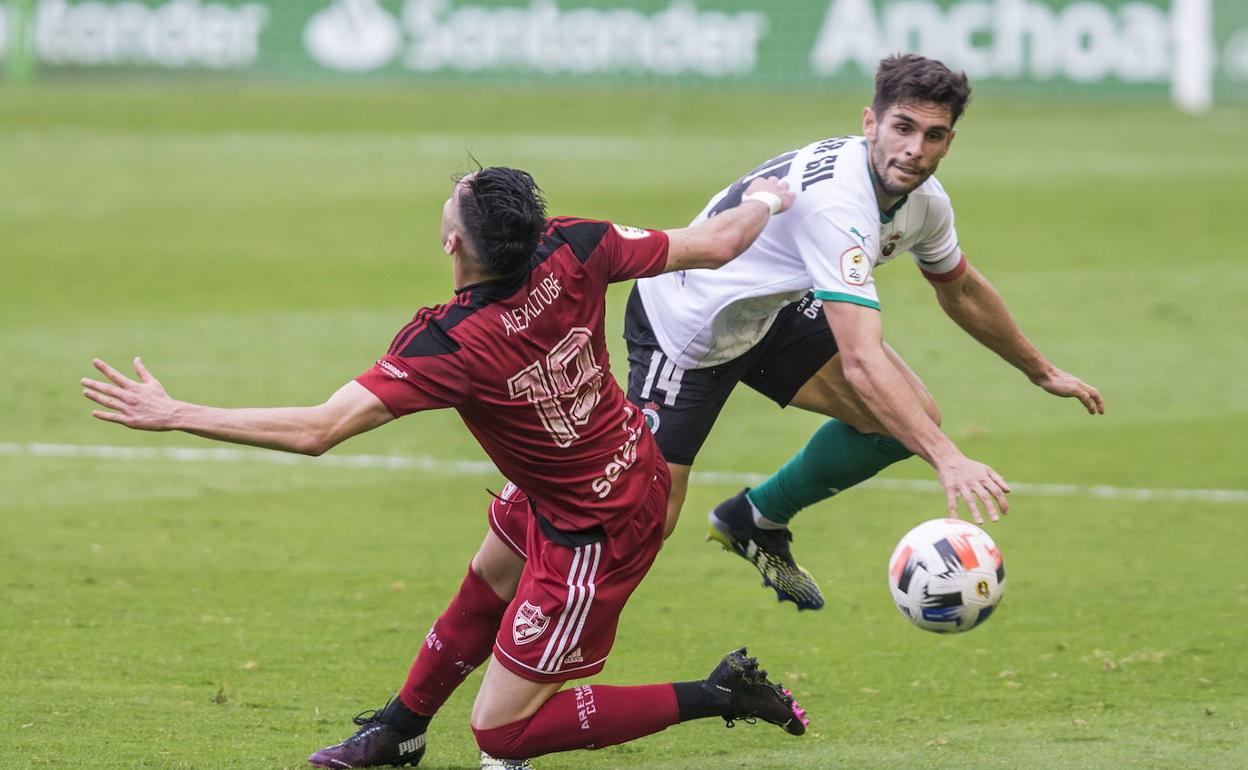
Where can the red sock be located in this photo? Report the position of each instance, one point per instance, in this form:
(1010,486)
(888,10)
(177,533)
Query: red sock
(460,640)
(585,717)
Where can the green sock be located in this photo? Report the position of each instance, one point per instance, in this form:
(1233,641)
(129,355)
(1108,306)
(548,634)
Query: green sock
(836,458)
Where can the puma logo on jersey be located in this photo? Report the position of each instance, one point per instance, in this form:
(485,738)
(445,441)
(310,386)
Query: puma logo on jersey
(861,238)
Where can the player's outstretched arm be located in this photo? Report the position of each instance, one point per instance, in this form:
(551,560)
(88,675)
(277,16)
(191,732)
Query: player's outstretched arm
(872,375)
(975,305)
(717,241)
(144,404)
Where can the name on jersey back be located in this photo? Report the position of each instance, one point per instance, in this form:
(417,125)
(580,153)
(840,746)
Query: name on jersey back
(518,319)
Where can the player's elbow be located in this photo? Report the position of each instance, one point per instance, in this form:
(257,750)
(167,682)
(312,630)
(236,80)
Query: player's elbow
(312,446)
(855,362)
(314,441)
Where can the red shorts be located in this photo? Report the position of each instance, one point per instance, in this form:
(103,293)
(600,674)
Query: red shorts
(509,518)
(561,623)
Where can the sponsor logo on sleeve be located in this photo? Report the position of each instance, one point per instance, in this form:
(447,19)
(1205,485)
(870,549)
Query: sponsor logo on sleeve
(855,267)
(392,370)
(632,233)
(528,624)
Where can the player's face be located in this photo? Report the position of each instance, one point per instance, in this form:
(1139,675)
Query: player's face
(907,143)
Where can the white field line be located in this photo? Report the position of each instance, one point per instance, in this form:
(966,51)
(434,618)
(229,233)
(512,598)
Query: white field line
(481,468)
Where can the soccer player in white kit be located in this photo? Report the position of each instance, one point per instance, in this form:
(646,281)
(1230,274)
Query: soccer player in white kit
(797,318)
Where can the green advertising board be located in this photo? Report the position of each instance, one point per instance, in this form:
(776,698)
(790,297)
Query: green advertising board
(1124,46)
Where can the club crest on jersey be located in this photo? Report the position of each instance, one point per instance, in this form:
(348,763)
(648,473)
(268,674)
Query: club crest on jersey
(528,624)
(891,246)
(631,233)
(651,414)
(855,267)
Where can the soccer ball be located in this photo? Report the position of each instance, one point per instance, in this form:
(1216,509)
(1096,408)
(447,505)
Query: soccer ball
(946,576)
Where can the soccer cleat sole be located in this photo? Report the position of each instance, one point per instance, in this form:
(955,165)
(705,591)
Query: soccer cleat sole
(491,763)
(800,722)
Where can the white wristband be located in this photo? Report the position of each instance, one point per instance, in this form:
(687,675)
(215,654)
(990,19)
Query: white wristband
(770,200)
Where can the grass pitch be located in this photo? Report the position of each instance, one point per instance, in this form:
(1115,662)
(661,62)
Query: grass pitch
(260,245)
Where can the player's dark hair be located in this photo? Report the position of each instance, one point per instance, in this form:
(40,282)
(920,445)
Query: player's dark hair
(908,78)
(504,213)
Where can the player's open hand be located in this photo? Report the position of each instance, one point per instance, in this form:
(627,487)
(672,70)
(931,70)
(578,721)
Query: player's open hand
(975,484)
(142,405)
(773,186)
(1067,385)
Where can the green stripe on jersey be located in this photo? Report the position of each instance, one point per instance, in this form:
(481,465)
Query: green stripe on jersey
(836,296)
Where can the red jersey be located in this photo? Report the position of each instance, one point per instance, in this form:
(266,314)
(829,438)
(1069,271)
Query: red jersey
(524,361)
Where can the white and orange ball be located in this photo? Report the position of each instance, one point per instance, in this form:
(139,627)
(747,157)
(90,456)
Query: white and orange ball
(946,576)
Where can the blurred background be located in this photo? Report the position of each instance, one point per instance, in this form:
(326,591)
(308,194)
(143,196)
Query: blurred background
(246,193)
(1194,50)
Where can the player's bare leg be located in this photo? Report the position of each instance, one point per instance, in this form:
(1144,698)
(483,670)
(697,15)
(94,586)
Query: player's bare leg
(459,641)
(514,717)
(676,500)
(848,449)
(498,566)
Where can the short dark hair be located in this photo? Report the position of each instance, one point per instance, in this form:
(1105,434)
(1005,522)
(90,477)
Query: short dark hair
(908,78)
(504,214)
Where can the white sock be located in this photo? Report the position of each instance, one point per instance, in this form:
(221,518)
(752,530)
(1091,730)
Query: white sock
(761,521)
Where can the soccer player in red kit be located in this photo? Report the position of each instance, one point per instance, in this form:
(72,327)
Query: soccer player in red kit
(520,353)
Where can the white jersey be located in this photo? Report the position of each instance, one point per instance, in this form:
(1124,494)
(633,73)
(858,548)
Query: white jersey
(831,241)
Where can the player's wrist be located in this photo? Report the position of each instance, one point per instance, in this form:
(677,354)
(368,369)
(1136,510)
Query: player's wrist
(772,201)
(179,415)
(941,452)
(1039,371)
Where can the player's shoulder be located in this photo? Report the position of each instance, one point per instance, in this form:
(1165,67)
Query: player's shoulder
(834,179)
(581,236)
(930,201)
(431,332)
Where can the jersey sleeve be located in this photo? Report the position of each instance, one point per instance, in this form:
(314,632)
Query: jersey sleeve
(633,252)
(936,252)
(838,261)
(407,385)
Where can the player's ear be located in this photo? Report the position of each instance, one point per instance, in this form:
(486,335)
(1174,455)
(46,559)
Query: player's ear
(451,244)
(868,123)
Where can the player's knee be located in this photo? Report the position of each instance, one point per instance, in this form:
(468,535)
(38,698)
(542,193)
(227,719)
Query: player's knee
(500,573)
(503,742)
